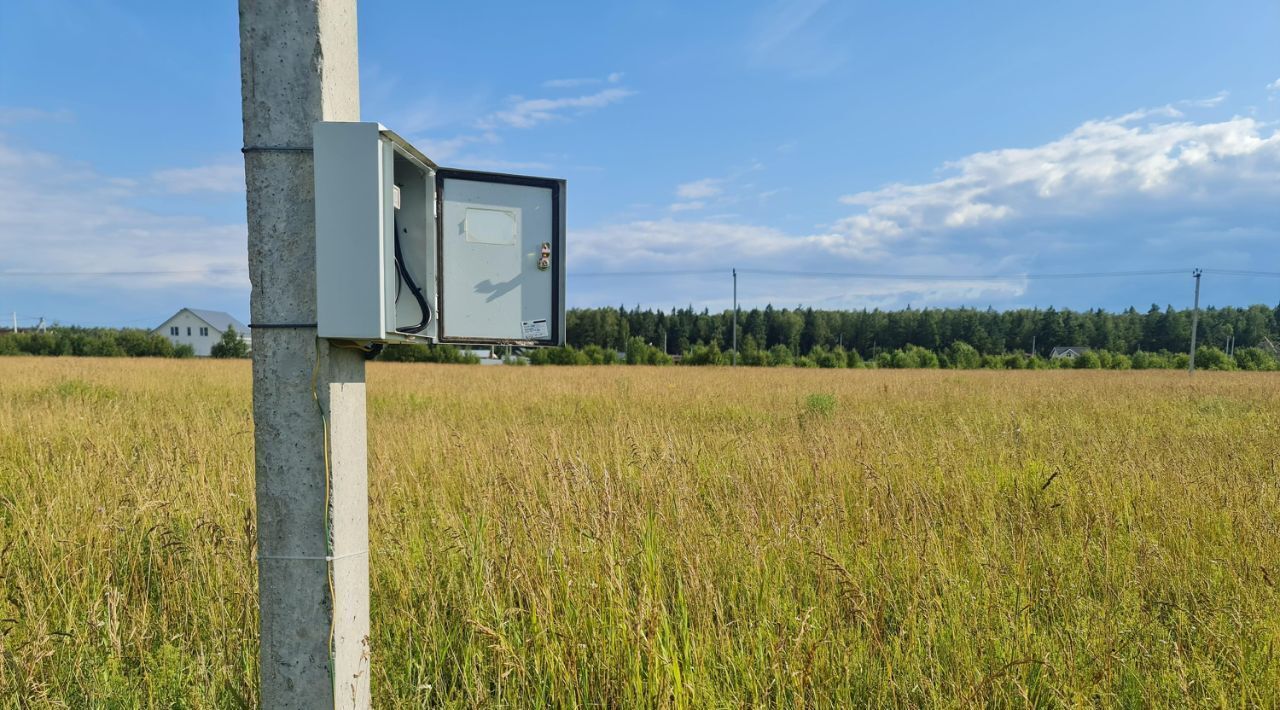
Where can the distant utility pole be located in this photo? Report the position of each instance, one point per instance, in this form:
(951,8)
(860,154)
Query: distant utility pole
(1195,320)
(15,321)
(735,317)
(298,65)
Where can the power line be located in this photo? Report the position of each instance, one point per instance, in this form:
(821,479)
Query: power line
(1030,276)
(62,274)
(708,272)
(595,274)
(912,277)
(678,272)
(1243,272)
(964,277)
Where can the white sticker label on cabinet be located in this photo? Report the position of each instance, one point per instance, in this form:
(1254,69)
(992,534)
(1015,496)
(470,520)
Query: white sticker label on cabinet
(492,225)
(535,329)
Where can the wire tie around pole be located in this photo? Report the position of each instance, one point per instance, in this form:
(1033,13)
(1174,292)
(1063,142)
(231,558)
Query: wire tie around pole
(327,558)
(276,149)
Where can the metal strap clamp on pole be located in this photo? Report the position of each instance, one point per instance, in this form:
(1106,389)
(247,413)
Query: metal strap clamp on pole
(276,149)
(329,558)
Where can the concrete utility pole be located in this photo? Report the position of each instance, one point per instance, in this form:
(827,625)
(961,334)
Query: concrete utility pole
(1195,321)
(15,321)
(298,66)
(735,317)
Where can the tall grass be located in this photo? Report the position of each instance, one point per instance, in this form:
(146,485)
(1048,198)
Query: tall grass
(656,537)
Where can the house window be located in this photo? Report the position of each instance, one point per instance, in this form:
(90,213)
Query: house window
(204,332)
(188,330)
(173,330)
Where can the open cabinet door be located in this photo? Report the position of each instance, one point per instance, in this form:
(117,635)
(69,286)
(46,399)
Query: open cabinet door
(501,258)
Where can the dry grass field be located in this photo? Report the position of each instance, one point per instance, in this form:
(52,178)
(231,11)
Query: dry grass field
(675,537)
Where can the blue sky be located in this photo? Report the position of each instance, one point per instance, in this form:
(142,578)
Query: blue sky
(938,138)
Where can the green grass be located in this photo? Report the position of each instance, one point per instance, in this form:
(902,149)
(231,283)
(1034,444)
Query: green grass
(691,538)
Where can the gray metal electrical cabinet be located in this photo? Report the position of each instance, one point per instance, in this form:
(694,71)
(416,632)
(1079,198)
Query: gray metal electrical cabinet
(410,252)
(375,235)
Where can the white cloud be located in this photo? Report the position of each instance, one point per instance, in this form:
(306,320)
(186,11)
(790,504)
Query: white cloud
(10,115)
(722,192)
(578,82)
(569,83)
(687,206)
(433,112)
(875,293)
(785,20)
(1101,167)
(1056,206)
(226,177)
(527,113)
(712,291)
(502,166)
(61,215)
(452,149)
(801,37)
(700,189)
(1274,86)
(1210,102)
(671,243)
(424,121)
(976,213)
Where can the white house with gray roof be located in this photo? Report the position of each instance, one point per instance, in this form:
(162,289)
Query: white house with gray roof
(200,329)
(1069,352)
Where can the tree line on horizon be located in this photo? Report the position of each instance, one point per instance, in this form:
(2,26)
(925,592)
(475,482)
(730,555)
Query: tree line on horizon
(965,338)
(807,337)
(871,332)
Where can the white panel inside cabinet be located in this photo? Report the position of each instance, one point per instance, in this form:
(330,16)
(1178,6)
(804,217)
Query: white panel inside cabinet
(414,226)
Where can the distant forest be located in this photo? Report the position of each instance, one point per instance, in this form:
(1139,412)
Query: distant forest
(990,332)
(1229,338)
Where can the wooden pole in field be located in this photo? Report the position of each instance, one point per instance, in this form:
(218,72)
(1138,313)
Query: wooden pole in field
(298,66)
(1195,321)
(735,317)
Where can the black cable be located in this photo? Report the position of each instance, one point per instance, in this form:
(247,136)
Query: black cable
(399,281)
(413,286)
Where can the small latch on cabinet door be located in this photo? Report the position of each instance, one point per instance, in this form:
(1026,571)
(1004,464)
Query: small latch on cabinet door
(544,261)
